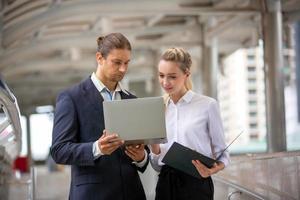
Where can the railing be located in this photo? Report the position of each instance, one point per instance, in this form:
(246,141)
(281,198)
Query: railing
(238,190)
(10,134)
(5,173)
(261,176)
(10,137)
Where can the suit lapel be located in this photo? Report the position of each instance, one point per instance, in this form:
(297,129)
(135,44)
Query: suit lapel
(92,94)
(126,96)
(94,97)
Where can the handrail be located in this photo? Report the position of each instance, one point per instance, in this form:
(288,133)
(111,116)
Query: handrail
(239,188)
(33,183)
(233,193)
(264,156)
(9,105)
(4,124)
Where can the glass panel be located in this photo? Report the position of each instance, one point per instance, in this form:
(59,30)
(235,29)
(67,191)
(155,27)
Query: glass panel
(290,91)
(41,135)
(242,100)
(2,115)
(24,150)
(6,134)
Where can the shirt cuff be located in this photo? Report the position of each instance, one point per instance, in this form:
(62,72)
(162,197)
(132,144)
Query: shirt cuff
(96,150)
(225,161)
(154,156)
(154,161)
(143,162)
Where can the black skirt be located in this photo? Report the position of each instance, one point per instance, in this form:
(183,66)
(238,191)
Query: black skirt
(176,185)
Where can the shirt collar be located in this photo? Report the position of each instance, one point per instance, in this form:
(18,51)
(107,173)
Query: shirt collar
(187,97)
(100,85)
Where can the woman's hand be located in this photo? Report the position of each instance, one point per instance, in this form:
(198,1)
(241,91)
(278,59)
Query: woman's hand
(136,152)
(206,172)
(155,148)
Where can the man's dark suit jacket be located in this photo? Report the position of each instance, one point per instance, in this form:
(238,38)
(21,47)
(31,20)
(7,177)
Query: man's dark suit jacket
(78,123)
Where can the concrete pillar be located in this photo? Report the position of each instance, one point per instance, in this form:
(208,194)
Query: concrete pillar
(205,70)
(29,153)
(273,56)
(210,69)
(204,63)
(210,66)
(297,57)
(214,68)
(157,91)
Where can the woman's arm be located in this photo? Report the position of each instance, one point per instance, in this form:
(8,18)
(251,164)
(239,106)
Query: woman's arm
(216,132)
(154,156)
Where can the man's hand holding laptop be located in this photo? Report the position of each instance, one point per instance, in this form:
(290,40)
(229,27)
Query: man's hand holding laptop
(109,142)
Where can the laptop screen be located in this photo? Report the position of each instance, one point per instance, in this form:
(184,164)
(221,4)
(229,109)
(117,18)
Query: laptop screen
(140,120)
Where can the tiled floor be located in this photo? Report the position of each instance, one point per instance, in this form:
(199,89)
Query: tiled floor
(275,176)
(49,185)
(55,185)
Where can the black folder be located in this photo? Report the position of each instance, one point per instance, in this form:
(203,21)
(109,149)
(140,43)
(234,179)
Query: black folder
(180,157)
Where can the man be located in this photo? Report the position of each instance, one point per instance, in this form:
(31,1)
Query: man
(102,168)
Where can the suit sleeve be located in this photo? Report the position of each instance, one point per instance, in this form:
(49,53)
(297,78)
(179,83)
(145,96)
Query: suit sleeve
(65,147)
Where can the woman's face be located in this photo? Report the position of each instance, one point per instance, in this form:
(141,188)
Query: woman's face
(171,78)
(114,66)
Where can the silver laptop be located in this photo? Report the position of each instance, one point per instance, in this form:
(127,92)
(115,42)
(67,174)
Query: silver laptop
(136,121)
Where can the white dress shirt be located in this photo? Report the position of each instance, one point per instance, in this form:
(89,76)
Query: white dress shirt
(195,122)
(109,96)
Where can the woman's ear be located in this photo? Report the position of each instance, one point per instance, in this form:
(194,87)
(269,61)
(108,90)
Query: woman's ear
(188,74)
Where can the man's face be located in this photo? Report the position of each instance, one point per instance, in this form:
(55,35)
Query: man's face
(115,65)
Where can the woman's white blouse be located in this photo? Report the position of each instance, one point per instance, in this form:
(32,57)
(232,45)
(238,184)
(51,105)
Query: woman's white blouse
(194,121)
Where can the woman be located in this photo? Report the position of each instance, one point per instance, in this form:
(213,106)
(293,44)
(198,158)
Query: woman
(192,120)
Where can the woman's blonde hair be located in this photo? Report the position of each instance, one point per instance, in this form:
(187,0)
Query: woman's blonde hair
(183,58)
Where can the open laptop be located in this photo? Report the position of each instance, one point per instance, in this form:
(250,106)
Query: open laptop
(136,121)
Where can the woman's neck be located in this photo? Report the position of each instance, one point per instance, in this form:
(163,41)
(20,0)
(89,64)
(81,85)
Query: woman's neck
(176,97)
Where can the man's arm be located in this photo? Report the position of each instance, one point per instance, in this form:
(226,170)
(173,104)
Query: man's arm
(65,148)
